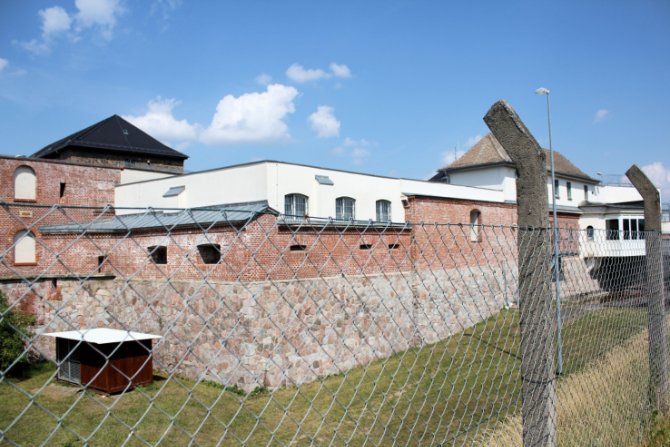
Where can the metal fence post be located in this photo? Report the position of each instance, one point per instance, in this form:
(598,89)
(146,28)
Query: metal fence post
(658,350)
(534,243)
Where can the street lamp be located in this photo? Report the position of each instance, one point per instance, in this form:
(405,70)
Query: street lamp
(559,362)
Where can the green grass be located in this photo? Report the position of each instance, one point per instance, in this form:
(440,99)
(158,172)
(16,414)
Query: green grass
(446,392)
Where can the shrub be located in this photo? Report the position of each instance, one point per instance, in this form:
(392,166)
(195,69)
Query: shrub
(13,326)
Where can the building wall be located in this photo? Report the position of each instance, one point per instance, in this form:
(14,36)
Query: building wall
(274,333)
(272,181)
(221,186)
(85,185)
(143,161)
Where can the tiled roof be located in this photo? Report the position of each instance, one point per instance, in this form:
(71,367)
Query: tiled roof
(113,134)
(489,151)
(219,215)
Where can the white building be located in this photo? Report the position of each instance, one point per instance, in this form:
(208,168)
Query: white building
(294,190)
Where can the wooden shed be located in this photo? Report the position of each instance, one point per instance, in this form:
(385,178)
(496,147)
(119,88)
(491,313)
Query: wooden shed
(106,360)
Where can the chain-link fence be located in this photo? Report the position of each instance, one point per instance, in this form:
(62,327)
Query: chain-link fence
(228,326)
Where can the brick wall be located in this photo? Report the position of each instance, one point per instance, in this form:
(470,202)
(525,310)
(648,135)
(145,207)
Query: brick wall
(85,185)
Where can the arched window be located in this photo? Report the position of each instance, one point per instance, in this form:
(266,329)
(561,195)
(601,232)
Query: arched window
(24,247)
(474,225)
(295,205)
(383,211)
(25,183)
(345,208)
(589,233)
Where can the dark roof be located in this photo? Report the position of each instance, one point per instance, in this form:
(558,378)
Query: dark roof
(112,134)
(211,216)
(488,151)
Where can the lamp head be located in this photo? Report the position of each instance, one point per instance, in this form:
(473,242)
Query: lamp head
(542,91)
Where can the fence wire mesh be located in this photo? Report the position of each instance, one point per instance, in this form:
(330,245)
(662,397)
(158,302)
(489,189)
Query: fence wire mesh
(241,326)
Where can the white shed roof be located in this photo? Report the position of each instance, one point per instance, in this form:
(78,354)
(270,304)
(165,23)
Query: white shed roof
(103,335)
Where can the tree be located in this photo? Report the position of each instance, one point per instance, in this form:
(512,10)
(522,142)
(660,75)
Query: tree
(14,327)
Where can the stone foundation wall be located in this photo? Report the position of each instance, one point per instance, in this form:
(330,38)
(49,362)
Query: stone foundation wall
(274,333)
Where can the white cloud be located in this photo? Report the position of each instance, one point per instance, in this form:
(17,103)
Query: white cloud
(472,141)
(601,115)
(54,21)
(363,142)
(339,151)
(324,123)
(159,122)
(448,157)
(99,14)
(299,74)
(263,79)
(341,71)
(3,63)
(360,156)
(252,117)
(660,176)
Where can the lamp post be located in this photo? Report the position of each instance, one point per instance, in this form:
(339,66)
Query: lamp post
(557,281)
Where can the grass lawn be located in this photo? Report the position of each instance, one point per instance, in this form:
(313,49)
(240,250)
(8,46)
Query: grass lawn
(448,392)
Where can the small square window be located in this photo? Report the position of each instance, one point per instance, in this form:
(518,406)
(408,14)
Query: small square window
(210,253)
(158,254)
(366,247)
(298,247)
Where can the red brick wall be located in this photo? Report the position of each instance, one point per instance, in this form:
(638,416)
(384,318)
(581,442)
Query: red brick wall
(85,185)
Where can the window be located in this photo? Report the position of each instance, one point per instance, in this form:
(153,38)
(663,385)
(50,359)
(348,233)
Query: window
(62,189)
(394,246)
(589,233)
(210,253)
(366,247)
(158,254)
(633,229)
(568,185)
(24,248)
(383,211)
(295,205)
(586,192)
(345,208)
(612,229)
(474,225)
(101,262)
(557,193)
(298,247)
(25,183)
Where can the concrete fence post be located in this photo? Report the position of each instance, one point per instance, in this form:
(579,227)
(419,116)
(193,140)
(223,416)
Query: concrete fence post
(534,244)
(658,349)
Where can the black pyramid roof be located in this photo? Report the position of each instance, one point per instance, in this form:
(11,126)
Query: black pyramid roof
(112,134)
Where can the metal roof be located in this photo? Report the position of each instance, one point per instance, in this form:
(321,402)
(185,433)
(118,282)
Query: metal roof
(218,215)
(102,336)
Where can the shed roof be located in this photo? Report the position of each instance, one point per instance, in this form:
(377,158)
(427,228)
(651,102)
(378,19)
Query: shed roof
(102,336)
(112,134)
(488,151)
(221,215)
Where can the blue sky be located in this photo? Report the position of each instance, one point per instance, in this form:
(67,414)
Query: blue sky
(390,88)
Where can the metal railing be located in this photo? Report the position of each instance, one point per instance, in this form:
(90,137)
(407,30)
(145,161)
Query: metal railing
(279,331)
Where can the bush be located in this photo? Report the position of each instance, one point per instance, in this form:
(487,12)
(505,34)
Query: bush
(13,326)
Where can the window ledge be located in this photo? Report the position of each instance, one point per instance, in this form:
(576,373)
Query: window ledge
(25,264)
(25,201)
